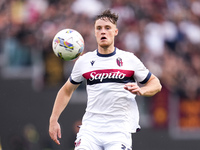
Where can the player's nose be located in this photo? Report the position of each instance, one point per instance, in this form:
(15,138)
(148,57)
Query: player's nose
(103,31)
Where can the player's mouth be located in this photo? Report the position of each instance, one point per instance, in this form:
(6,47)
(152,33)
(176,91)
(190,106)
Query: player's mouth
(103,38)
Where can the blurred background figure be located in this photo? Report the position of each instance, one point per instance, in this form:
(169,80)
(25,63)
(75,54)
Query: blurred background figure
(75,128)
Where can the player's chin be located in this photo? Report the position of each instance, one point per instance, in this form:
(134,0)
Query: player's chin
(104,45)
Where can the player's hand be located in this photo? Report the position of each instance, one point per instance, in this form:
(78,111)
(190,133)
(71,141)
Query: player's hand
(55,131)
(133,88)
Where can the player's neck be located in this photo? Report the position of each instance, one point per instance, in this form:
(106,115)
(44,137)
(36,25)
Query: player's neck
(106,50)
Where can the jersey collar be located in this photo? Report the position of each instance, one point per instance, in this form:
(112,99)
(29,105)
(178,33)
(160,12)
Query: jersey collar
(106,55)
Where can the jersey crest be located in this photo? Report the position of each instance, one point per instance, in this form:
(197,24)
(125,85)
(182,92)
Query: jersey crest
(119,62)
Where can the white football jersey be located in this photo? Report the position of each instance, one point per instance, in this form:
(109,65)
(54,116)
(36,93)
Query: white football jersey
(110,108)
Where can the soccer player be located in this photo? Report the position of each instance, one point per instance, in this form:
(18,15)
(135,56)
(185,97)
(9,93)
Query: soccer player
(112,76)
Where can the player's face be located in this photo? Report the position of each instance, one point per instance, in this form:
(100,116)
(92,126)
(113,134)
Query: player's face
(105,32)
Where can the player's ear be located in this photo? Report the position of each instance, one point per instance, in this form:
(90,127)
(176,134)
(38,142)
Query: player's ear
(116,32)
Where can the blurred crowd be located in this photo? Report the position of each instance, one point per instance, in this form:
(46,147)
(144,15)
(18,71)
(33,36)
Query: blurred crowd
(164,34)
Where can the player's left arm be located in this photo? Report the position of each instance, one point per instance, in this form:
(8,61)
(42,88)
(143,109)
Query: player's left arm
(150,88)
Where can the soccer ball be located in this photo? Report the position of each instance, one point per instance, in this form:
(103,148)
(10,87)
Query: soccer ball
(68,44)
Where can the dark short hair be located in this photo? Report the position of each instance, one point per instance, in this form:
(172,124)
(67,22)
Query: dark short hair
(107,14)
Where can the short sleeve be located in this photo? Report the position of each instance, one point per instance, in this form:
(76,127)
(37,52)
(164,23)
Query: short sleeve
(76,74)
(141,74)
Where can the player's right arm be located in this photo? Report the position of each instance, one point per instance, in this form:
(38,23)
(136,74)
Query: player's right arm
(62,99)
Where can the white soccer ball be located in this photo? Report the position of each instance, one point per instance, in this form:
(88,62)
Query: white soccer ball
(68,44)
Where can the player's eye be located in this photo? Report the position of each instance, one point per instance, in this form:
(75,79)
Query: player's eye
(107,28)
(98,28)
